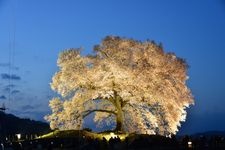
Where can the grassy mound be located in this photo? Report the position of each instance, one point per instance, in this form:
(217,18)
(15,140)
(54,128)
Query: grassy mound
(82,133)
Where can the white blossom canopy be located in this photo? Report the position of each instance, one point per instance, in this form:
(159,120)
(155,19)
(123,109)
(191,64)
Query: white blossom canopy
(135,85)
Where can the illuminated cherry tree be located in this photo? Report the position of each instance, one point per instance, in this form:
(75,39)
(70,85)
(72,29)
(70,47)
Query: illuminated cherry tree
(134,85)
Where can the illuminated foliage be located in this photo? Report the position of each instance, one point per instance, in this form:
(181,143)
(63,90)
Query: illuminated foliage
(135,85)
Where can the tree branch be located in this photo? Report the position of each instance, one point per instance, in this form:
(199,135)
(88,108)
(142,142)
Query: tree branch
(88,112)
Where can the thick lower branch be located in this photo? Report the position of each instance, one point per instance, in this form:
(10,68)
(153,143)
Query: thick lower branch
(86,113)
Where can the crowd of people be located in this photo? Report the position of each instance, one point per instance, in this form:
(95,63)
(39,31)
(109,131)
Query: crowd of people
(115,143)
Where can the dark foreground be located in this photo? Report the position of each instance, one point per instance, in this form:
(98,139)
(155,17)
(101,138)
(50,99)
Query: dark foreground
(132,142)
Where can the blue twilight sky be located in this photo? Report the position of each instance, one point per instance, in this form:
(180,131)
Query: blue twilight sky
(32,33)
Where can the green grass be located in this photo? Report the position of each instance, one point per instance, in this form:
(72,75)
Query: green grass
(81,133)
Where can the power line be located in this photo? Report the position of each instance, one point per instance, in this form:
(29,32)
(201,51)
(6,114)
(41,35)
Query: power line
(12,47)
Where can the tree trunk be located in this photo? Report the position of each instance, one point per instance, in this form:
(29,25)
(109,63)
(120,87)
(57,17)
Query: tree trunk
(119,121)
(119,115)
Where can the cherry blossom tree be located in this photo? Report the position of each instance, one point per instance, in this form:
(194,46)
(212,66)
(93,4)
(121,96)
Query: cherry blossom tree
(134,85)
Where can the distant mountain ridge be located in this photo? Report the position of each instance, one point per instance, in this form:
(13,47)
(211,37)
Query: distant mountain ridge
(209,133)
(10,125)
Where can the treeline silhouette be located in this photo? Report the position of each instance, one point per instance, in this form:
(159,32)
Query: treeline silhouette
(133,142)
(11,125)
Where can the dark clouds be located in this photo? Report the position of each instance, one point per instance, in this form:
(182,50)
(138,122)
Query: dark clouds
(30,113)
(10,89)
(2,97)
(27,107)
(7,89)
(4,64)
(15,92)
(8,76)
(10,86)
(9,66)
